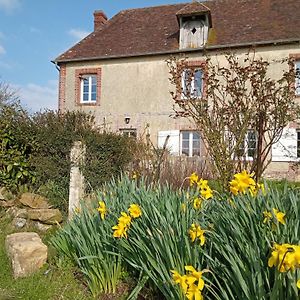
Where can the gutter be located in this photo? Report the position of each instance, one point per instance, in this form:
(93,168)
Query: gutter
(181,51)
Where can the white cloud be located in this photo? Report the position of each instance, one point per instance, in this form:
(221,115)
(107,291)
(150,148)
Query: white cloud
(78,34)
(9,5)
(36,97)
(2,50)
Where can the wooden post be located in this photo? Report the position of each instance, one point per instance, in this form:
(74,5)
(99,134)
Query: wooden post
(76,191)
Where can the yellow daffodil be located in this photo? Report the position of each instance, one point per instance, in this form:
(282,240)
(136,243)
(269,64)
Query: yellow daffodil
(124,219)
(298,284)
(102,209)
(206,193)
(193,179)
(197,203)
(193,293)
(181,280)
(134,175)
(285,257)
(191,283)
(120,230)
(196,232)
(267,216)
(279,216)
(135,211)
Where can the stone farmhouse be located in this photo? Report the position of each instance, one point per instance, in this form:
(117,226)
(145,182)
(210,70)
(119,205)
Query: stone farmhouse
(119,71)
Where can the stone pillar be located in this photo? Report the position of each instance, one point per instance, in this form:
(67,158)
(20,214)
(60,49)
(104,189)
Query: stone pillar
(76,191)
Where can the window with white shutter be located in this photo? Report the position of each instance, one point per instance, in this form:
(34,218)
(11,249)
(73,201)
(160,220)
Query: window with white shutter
(173,141)
(286,149)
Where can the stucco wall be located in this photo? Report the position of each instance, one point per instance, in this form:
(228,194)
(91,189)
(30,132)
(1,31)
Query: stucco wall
(139,88)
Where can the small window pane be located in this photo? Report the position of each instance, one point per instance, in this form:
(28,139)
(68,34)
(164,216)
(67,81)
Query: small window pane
(196,152)
(185,144)
(93,97)
(85,97)
(185,135)
(197,83)
(185,151)
(94,80)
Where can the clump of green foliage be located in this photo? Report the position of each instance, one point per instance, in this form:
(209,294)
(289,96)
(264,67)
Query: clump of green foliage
(239,231)
(35,151)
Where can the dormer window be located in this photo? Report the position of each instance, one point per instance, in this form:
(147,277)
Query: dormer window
(194,21)
(193,32)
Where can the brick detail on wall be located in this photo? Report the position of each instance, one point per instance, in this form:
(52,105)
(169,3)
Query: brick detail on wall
(62,88)
(87,71)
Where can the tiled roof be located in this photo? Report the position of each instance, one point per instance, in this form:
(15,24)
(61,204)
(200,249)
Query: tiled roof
(192,8)
(154,30)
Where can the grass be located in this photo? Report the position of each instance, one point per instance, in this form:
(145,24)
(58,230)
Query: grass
(54,281)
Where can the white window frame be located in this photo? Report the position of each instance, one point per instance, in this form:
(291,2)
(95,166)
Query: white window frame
(185,82)
(246,145)
(90,83)
(190,140)
(297,79)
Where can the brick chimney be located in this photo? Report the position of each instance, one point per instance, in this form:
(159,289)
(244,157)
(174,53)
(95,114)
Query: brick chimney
(100,19)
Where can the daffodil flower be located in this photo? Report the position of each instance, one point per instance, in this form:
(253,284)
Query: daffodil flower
(135,211)
(102,209)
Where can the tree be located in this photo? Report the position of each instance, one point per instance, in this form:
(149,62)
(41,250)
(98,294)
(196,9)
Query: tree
(241,111)
(8,96)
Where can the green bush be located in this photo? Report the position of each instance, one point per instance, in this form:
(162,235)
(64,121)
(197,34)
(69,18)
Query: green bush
(236,252)
(15,148)
(35,150)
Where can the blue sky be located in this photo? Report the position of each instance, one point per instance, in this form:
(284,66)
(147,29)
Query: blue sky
(34,32)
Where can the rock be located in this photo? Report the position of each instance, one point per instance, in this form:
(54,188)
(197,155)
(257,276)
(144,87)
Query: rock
(42,227)
(16,212)
(19,222)
(7,203)
(26,251)
(47,216)
(34,200)
(6,195)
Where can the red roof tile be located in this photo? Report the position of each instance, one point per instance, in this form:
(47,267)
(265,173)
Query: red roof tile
(154,30)
(192,8)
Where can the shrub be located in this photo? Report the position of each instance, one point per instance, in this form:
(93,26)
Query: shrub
(15,151)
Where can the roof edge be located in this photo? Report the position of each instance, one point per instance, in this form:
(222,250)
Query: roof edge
(215,47)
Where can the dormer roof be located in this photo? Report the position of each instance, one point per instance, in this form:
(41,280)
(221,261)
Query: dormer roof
(194,8)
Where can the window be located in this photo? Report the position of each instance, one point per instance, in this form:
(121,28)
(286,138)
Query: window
(248,148)
(190,143)
(129,132)
(297,81)
(88,88)
(193,32)
(192,80)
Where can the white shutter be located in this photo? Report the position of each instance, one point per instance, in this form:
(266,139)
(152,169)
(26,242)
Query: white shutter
(173,142)
(286,148)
